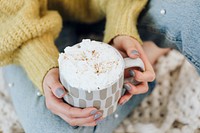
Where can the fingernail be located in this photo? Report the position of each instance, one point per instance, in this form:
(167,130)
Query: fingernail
(132,73)
(97,116)
(59,92)
(93,112)
(135,52)
(135,82)
(127,87)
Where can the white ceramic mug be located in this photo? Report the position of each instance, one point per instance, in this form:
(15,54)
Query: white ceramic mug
(106,100)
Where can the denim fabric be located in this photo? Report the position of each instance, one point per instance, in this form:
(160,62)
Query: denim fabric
(31,109)
(175,24)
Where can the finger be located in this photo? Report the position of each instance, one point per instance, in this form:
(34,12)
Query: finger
(91,120)
(51,101)
(132,90)
(92,124)
(135,51)
(78,112)
(49,96)
(139,89)
(129,72)
(127,45)
(57,89)
(97,121)
(147,76)
(52,81)
(57,106)
(125,98)
(149,72)
(131,49)
(122,53)
(74,112)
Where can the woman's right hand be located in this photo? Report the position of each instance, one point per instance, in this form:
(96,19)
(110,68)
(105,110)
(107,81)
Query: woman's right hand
(54,92)
(130,47)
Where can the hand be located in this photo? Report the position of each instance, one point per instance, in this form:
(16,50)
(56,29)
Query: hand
(130,47)
(54,91)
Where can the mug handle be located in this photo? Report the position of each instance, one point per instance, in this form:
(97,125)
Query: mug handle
(129,62)
(137,63)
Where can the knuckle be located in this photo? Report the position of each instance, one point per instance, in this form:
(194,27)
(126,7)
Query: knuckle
(70,112)
(53,84)
(132,91)
(72,122)
(138,78)
(91,119)
(146,89)
(49,105)
(93,124)
(152,77)
(54,112)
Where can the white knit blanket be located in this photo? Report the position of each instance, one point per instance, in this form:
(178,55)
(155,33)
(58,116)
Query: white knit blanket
(173,107)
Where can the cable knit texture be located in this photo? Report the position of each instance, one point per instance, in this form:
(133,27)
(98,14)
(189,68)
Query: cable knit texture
(29,28)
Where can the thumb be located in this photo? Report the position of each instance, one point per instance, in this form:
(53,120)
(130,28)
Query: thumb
(131,50)
(58,90)
(129,45)
(133,53)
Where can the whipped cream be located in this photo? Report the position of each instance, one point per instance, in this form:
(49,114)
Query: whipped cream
(90,65)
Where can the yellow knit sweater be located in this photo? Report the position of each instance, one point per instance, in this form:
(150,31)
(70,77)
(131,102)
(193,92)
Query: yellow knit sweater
(28,28)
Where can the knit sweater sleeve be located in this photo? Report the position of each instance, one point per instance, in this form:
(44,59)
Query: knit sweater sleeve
(121,17)
(27,36)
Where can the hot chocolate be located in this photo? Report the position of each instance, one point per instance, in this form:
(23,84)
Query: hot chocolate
(90,65)
(93,74)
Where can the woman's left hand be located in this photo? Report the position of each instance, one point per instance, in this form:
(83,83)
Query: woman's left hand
(130,47)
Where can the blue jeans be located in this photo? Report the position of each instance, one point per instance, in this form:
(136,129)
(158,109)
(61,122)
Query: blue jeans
(174,24)
(31,108)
